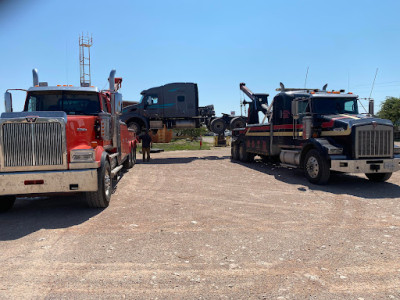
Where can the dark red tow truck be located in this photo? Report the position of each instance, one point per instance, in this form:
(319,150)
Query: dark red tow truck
(320,131)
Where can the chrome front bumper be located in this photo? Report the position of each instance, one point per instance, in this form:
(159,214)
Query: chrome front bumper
(25,183)
(389,165)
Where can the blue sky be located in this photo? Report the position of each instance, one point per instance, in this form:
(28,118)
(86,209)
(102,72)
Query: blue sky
(217,44)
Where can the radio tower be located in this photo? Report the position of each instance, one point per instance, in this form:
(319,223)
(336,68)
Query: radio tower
(85,42)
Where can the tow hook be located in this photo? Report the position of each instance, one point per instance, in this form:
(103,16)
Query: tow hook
(375,168)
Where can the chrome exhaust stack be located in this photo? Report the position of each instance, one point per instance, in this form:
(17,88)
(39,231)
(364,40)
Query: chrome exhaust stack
(35,77)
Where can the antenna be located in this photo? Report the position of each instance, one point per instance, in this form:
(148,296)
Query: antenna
(66,58)
(305,81)
(373,83)
(85,42)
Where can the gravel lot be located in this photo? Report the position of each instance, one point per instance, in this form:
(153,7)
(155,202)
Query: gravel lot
(194,225)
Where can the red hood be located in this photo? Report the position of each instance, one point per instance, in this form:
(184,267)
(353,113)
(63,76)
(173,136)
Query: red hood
(80,131)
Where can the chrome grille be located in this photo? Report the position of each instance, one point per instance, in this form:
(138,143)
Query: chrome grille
(32,144)
(374,142)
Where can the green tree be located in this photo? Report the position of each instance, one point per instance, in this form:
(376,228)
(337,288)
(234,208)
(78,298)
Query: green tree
(390,109)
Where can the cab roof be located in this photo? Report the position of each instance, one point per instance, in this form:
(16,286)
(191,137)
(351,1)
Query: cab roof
(63,88)
(319,94)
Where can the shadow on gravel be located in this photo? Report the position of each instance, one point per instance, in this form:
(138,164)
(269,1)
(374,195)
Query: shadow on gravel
(181,160)
(32,214)
(339,183)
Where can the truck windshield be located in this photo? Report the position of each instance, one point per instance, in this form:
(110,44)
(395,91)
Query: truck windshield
(72,103)
(331,106)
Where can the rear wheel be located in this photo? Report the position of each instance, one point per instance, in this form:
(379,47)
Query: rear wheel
(244,156)
(101,198)
(316,169)
(235,152)
(218,126)
(6,203)
(128,163)
(378,177)
(134,156)
(237,122)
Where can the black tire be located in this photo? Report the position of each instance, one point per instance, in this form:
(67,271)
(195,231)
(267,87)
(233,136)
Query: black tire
(6,203)
(101,198)
(218,126)
(134,156)
(235,152)
(244,156)
(378,177)
(128,163)
(237,122)
(316,169)
(135,126)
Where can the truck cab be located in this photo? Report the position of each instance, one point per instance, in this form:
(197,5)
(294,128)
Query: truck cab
(173,105)
(66,140)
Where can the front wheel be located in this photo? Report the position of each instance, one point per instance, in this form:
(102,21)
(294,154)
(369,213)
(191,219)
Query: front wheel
(135,127)
(316,168)
(101,198)
(378,177)
(6,203)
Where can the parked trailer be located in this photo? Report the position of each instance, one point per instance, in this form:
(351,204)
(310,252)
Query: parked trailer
(320,131)
(66,140)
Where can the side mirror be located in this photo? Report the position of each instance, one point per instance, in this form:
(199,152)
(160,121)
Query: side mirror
(295,109)
(8,102)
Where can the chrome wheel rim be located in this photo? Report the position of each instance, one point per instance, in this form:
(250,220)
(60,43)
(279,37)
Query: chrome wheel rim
(312,167)
(107,184)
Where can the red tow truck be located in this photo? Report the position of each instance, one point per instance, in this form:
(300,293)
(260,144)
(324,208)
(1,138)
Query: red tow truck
(318,131)
(66,140)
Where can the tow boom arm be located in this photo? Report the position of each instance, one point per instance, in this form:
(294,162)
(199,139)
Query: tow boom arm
(247,91)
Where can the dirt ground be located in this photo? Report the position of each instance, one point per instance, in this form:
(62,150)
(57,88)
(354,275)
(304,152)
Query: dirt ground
(194,225)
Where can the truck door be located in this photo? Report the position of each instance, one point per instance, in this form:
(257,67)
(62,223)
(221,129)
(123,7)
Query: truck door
(283,120)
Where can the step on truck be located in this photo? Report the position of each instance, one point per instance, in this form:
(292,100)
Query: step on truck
(66,140)
(176,105)
(320,131)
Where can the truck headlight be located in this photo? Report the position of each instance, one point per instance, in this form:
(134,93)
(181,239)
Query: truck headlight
(82,155)
(335,150)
